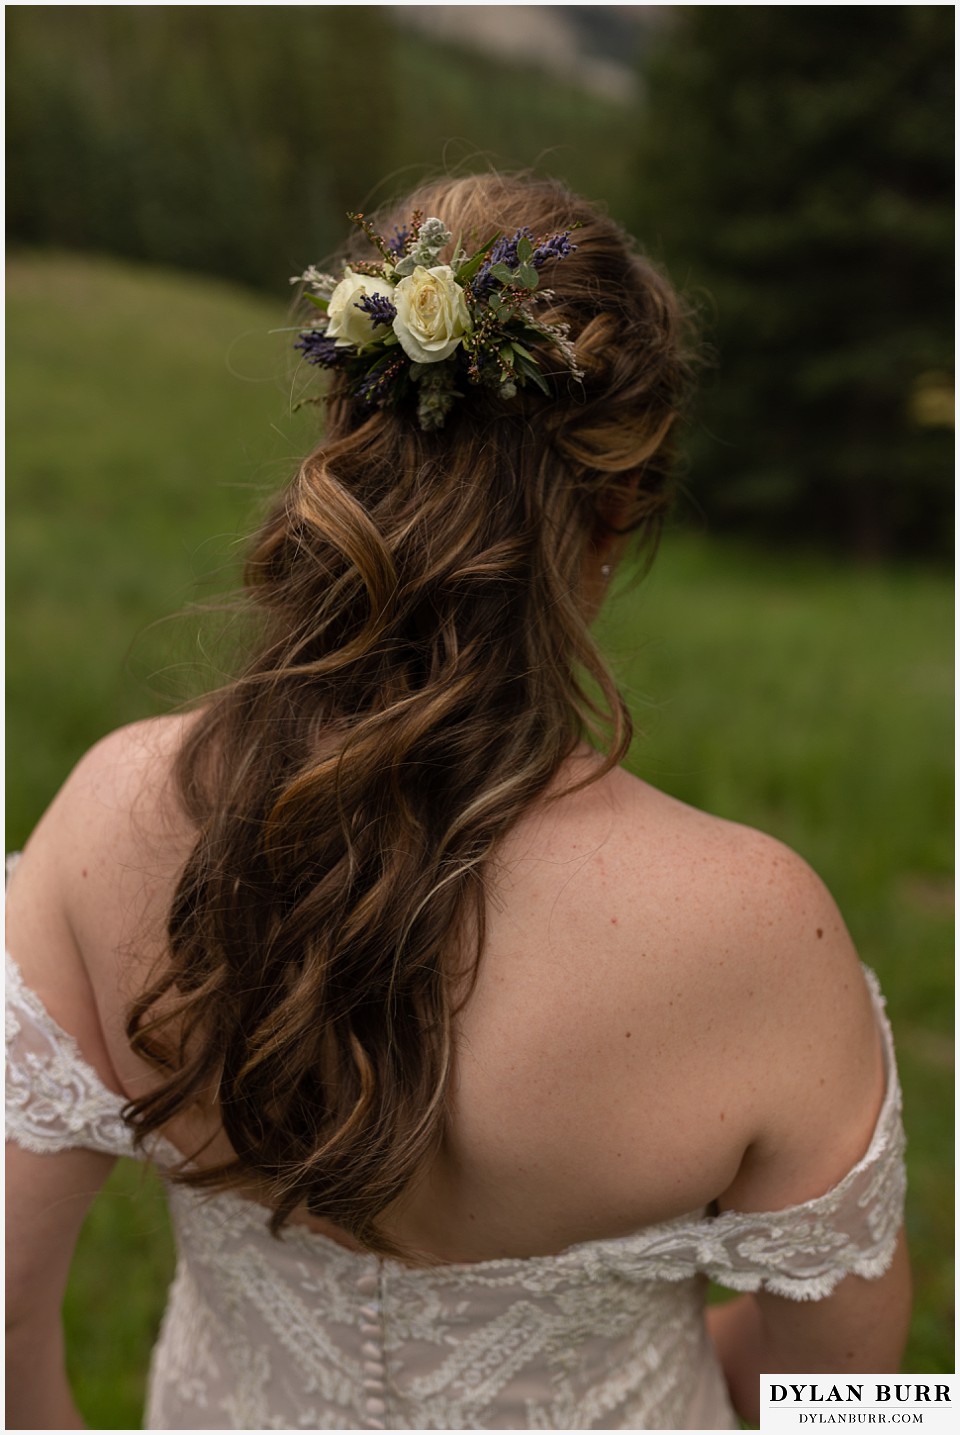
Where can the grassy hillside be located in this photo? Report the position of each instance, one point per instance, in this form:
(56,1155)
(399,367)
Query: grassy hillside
(149,418)
(148,412)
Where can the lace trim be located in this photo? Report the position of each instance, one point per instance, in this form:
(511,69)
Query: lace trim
(56,1101)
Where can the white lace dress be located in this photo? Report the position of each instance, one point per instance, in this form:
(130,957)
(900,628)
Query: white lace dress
(301,1333)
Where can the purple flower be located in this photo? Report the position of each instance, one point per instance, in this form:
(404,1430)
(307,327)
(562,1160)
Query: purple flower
(380,309)
(373,388)
(318,349)
(556,248)
(505,252)
(398,241)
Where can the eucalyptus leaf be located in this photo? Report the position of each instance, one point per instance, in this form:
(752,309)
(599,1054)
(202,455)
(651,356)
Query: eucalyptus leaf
(505,274)
(528,276)
(524,250)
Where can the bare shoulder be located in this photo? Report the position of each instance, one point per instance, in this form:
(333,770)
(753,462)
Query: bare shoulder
(119,792)
(773,979)
(727,895)
(125,768)
(703,960)
(731,891)
(96,873)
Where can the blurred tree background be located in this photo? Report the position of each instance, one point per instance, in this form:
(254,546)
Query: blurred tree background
(792,165)
(797,163)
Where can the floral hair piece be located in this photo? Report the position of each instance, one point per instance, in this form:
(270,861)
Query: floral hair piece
(408,323)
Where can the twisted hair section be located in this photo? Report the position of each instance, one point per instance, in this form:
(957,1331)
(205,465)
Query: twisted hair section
(426,669)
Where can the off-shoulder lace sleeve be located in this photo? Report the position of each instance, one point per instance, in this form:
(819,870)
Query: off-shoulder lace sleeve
(805,1251)
(54,1098)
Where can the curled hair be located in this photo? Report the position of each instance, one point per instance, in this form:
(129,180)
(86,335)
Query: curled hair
(426,668)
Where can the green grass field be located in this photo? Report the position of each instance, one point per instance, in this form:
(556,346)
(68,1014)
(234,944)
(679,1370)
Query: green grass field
(148,418)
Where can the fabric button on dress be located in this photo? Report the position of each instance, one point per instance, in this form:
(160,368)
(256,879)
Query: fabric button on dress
(374,1369)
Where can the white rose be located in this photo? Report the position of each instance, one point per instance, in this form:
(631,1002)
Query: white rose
(345,322)
(432,314)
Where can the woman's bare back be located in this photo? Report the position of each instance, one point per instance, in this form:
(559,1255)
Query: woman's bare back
(668,1011)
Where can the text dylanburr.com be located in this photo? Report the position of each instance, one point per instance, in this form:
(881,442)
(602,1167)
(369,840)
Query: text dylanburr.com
(811,1402)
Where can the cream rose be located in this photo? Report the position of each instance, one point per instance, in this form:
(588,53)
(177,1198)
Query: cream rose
(345,322)
(432,314)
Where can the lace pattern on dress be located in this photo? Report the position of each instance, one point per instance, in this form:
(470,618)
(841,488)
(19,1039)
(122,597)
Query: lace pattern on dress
(54,1098)
(55,1101)
(303,1333)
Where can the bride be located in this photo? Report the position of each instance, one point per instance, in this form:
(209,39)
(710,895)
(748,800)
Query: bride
(466,1057)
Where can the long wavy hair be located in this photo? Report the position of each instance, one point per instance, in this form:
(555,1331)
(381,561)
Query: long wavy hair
(425,670)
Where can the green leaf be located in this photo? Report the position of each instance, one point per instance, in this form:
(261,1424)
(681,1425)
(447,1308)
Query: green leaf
(528,370)
(528,276)
(504,274)
(318,303)
(524,353)
(506,354)
(537,378)
(524,250)
(494,302)
(467,271)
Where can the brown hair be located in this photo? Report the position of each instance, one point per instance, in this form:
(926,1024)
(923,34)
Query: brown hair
(426,669)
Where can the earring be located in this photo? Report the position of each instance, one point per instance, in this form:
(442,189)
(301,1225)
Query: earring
(605,572)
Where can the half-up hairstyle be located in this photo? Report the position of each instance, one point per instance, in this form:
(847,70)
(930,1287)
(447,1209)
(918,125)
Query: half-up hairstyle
(426,668)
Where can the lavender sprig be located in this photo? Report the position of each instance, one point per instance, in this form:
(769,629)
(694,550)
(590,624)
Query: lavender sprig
(318,349)
(503,252)
(556,248)
(398,241)
(518,257)
(380,309)
(373,389)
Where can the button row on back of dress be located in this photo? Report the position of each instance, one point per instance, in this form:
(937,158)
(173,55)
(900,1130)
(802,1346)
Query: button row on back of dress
(374,1367)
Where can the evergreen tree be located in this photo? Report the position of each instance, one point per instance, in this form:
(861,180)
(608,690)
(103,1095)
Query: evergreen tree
(796,169)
